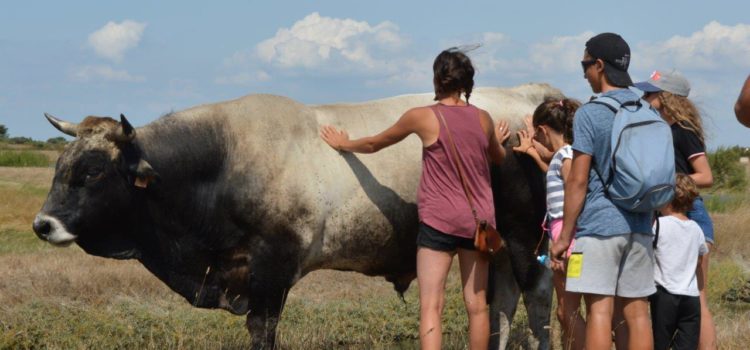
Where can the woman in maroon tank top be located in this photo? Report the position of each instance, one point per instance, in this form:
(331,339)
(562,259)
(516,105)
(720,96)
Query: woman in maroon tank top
(446,221)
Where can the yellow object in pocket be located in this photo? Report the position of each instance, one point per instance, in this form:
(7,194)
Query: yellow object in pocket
(575,264)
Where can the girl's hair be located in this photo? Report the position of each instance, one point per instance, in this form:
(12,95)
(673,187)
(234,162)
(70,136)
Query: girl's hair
(682,111)
(453,72)
(685,192)
(557,115)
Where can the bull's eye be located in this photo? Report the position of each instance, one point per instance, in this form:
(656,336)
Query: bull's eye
(94,173)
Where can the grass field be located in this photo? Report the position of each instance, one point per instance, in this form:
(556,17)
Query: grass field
(64,299)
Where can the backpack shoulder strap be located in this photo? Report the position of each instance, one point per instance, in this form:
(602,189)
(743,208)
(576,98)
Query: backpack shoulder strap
(611,103)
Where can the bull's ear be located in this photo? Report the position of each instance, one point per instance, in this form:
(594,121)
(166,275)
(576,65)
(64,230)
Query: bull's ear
(127,128)
(144,174)
(125,133)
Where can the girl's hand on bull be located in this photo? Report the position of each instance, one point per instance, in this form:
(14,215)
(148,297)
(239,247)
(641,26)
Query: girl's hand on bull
(525,143)
(334,137)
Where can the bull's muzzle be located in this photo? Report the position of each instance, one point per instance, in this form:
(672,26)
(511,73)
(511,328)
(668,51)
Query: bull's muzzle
(50,229)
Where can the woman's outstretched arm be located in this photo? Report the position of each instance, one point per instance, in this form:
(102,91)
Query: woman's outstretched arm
(339,139)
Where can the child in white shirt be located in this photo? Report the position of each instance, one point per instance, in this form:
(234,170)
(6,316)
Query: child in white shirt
(679,246)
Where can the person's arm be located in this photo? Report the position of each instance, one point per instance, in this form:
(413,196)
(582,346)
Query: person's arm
(699,273)
(742,107)
(575,195)
(565,170)
(339,139)
(702,176)
(526,146)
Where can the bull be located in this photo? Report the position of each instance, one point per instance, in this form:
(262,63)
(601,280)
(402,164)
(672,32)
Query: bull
(230,204)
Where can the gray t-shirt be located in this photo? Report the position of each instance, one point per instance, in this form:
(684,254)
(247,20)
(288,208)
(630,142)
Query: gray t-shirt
(592,129)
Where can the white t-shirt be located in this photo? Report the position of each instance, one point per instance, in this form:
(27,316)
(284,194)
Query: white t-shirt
(676,255)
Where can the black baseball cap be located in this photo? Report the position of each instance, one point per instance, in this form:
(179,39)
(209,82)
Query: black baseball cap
(615,52)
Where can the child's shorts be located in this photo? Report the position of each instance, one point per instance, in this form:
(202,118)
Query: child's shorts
(621,265)
(555,227)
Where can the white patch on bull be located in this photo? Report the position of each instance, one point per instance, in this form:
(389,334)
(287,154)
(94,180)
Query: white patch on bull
(58,234)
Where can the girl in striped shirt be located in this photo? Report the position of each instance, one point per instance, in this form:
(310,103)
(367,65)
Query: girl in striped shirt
(553,128)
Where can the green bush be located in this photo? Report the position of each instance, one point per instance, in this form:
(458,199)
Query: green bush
(57,140)
(729,174)
(23,159)
(20,140)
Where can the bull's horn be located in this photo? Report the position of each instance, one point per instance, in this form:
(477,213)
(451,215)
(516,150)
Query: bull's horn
(67,128)
(125,133)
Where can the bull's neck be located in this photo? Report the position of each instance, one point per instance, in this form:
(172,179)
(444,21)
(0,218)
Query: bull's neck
(184,150)
(189,159)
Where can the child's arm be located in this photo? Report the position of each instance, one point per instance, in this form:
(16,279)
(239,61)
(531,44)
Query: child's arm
(699,273)
(526,145)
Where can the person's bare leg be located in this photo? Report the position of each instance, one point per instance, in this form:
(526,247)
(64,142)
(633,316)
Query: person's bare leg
(474,270)
(619,326)
(568,313)
(599,310)
(576,323)
(432,272)
(640,333)
(707,340)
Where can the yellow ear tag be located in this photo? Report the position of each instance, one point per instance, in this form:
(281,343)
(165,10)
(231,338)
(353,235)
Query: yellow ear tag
(141,182)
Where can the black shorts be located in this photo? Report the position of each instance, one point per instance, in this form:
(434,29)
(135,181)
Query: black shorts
(675,320)
(429,237)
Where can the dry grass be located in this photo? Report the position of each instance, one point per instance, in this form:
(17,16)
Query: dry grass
(63,298)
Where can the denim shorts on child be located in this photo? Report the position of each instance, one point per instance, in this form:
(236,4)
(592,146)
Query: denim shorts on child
(429,237)
(699,214)
(620,265)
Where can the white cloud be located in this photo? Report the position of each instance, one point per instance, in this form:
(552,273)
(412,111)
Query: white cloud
(103,73)
(244,78)
(317,41)
(713,47)
(112,40)
(561,54)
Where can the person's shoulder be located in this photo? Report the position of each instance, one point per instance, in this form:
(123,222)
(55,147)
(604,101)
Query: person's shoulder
(418,113)
(679,131)
(420,110)
(482,113)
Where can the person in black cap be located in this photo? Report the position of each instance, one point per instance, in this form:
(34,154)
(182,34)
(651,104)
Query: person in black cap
(612,261)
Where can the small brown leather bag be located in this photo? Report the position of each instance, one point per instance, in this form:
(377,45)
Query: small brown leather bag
(486,237)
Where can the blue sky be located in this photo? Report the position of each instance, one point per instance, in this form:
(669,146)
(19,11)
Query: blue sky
(147,58)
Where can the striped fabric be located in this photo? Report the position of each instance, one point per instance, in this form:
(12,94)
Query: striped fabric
(555,190)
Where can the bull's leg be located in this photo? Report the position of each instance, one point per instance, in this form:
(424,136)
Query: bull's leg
(263,318)
(538,302)
(504,298)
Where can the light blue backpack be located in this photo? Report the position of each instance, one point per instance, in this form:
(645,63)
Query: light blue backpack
(642,176)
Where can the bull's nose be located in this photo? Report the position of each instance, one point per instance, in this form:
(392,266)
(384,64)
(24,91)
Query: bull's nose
(41,227)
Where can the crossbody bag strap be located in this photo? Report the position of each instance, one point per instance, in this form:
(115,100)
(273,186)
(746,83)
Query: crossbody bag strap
(457,160)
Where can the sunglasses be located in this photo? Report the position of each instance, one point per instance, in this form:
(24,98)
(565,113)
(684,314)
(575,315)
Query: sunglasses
(586,64)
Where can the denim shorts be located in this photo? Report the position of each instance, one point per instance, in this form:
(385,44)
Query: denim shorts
(699,214)
(431,238)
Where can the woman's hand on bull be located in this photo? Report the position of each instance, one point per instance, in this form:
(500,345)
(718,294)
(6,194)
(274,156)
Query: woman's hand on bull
(334,137)
(502,131)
